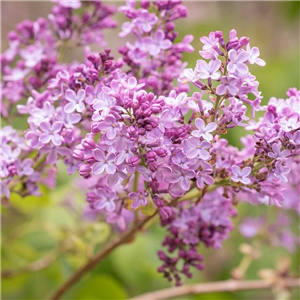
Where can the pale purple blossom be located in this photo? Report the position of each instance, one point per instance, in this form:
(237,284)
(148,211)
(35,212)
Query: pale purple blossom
(188,75)
(254,56)
(138,199)
(241,175)
(105,162)
(181,177)
(157,43)
(208,70)
(277,153)
(204,175)
(290,124)
(237,61)
(51,133)
(110,126)
(25,167)
(196,148)
(76,101)
(10,155)
(281,171)
(146,21)
(228,85)
(204,130)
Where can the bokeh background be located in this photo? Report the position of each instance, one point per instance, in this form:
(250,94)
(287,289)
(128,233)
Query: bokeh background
(51,226)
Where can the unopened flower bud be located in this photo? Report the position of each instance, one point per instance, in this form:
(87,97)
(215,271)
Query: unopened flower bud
(78,154)
(88,143)
(152,166)
(84,170)
(150,156)
(133,161)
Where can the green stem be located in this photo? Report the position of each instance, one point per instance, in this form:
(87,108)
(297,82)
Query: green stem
(136,181)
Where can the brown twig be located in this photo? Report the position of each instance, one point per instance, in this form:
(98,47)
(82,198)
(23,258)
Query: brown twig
(218,286)
(94,260)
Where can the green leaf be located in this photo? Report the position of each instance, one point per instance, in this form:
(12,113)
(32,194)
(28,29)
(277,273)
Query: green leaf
(137,264)
(30,204)
(98,287)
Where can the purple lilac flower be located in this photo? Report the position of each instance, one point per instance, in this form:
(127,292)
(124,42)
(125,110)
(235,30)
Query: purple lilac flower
(204,130)
(110,126)
(146,21)
(181,177)
(195,148)
(139,199)
(204,175)
(254,56)
(25,167)
(290,124)
(281,171)
(241,175)
(227,86)
(277,152)
(237,61)
(51,133)
(210,47)
(10,155)
(76,101)
(104,162)
(208,70)
(102,198)
(157,43)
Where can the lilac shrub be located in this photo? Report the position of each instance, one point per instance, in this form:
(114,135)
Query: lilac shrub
(142,140)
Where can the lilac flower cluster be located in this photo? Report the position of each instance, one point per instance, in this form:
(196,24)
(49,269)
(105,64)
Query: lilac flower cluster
(190,225)
(144,143)
(35,48)
(153,57)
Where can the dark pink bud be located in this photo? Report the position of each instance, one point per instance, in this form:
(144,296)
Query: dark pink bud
(85,17)
(91,197)
(154,185)
(152,166)
(108,64)
(162,255)
(162,152)
(148,127)
(147,112)
(90,159)
(78,154)
(93,58)
(12,170)
(244,41)
(170,26)
(166,213)
(182,10)
(133,161)
(12,35)
(88,143)
(159,202)
(150,156)
(132,131)
(155,109)
(142,131)
(84,170)
(145,4)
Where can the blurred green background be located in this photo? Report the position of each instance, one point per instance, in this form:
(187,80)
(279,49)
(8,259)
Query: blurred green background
(51,225)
